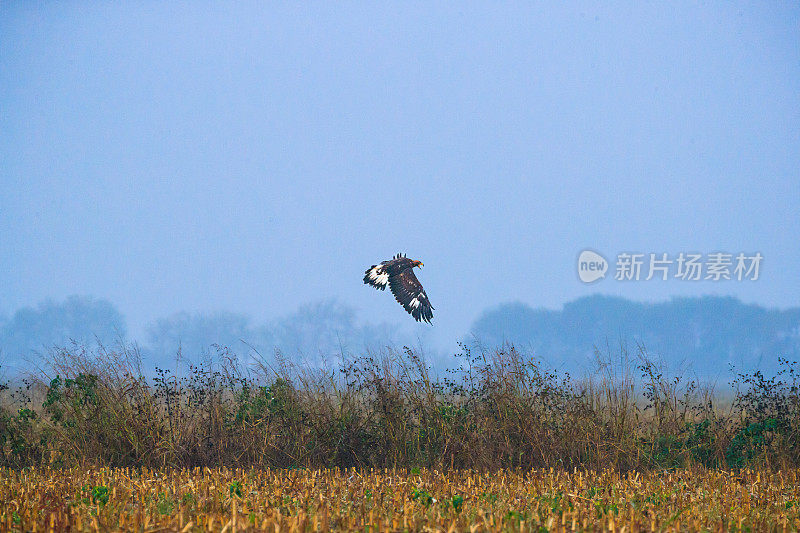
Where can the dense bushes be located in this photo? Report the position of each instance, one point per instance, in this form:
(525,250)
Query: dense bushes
(498,409)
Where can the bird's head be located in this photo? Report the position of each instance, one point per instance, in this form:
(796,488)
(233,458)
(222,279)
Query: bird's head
(417,264)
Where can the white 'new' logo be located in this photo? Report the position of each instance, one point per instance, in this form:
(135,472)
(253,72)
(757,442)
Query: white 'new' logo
(591,266)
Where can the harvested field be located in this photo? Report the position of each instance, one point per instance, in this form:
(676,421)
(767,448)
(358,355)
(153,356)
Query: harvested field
(205,499)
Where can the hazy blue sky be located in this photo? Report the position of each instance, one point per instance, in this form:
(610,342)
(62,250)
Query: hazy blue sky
(255,156)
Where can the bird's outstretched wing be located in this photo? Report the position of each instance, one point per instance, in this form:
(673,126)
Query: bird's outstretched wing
(377,276)
(409,292)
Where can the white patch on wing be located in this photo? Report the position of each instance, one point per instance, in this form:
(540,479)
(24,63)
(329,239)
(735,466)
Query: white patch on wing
(414,303)
(378,276)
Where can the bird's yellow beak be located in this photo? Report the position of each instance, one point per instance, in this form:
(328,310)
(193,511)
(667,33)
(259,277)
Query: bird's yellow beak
(420,264)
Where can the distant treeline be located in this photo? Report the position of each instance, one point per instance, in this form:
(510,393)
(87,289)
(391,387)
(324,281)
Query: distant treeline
(703,336)
(499,409)
(315,331)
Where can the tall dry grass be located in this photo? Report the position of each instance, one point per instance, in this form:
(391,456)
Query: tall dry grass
(499,409)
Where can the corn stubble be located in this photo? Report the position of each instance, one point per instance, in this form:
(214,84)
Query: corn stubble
(205,499)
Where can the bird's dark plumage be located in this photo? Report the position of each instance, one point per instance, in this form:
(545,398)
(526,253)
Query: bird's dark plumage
(398,274)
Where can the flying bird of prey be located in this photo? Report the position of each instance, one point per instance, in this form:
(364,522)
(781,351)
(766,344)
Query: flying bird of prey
(398,274)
